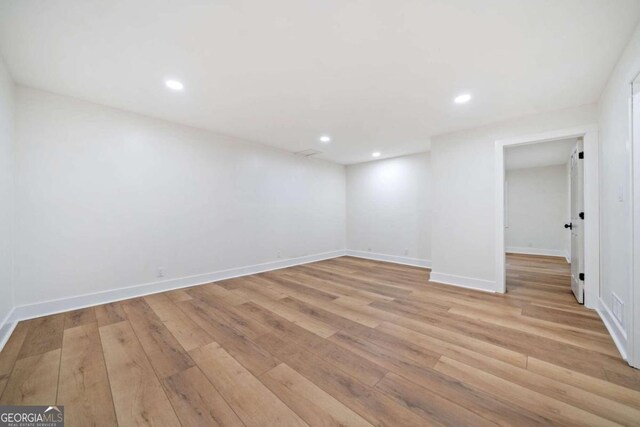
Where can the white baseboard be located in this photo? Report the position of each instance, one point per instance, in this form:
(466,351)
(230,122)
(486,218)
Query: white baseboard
(416,262)
(535,251)
(46,308)
(614,327)
(464,282)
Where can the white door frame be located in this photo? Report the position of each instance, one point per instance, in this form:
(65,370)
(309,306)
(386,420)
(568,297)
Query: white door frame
(591,205)
(633,337)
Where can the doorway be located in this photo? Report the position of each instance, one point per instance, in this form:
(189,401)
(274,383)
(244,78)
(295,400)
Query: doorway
(590,269)
(542,209)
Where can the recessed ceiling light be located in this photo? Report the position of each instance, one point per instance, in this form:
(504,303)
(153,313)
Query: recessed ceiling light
(325,139)
(462,99)
(375,154)
(174,84)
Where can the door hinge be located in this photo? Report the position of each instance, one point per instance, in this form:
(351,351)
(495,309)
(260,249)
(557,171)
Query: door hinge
(581,215)
(581,276)
(581,155)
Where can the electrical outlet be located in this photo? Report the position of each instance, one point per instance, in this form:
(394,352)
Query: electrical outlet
(279,255)
(369,249)
(160,272)
(617,307)
(406,251)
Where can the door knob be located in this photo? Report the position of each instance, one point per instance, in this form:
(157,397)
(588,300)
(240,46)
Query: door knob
(569,226)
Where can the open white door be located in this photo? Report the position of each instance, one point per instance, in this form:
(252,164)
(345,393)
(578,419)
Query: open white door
(576,226)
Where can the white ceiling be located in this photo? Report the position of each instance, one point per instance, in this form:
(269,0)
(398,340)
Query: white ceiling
(377,75)
(550,153)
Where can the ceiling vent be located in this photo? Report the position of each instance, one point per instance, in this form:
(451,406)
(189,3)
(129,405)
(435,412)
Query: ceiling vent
(307,153)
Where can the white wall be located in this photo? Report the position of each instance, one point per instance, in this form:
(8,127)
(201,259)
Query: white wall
(389,209)
(464,216)
(7,200)
(107,197)
(615,182)
(537,210)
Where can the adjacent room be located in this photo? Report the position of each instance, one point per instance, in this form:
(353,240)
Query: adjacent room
(538,227)
(323,213)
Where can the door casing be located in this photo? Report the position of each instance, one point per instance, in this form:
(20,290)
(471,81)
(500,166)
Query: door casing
(589,134)
(633,336)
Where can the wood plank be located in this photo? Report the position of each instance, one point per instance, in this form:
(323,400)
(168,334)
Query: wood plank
(461,340)
(9,353)
(217,291)
(285,333)
(138,396)
(339,289)
(110,313)
(79,317)
(197,402)
(83,386)
(228,315)
(368,402)
(555,410)
(343,287)
(574,356)
(475,400)
(350,312)
(251,400)
(570,309)
(548,386)
(164,352)
(553,389)
(360,283)
(257,285)
(563,333)
(437,346)
(45,334)
(558,316)
(338,322)
(313,405)
(600,387)
(34,380)
(401,348)
(309,323)
(178,295)
(185,330)
(249,354)
(428,404)
(296,288)
(444,300)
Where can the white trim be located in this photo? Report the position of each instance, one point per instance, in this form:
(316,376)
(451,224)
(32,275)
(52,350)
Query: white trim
(501,280)
(6,328)
(535,251)
(613,326)
(463,282)
(634,291)
(591,202)
(416,262)
(81,301)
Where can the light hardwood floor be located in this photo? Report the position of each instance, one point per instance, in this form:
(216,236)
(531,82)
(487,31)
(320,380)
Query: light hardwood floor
(339,342)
